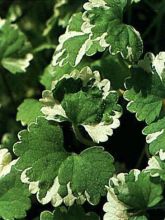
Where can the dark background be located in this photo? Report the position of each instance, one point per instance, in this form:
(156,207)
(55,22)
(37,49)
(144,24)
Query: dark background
(127,143)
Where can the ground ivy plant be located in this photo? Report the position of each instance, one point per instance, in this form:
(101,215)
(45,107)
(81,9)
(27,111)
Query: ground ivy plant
(66,83)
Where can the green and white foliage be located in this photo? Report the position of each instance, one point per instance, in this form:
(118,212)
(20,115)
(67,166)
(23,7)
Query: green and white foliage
(56,175)
(55,168)
(98,28)
(73,213)
(63,10)
(13,193)
(15,53)
(95,105)
(130,195)
(156,165)
(5,162)
(52,73)
(14,197)
(146,88)
(155,136)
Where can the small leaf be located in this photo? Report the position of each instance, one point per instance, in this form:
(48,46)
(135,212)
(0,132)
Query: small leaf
(156,165)
(129,196)
(5,162)
(155,136)
(28,111)
(15,53)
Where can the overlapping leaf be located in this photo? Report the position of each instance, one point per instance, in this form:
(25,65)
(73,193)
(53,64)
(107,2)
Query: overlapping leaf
(94,104)
(146,88)
(14,196)
(113,68)
(28,111)
(52,73)
(98,28)
(129,196)
(155,136)
(56,175)
(14,48)
(156,165)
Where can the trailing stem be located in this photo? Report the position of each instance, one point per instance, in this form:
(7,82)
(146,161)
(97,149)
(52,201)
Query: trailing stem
(80,137)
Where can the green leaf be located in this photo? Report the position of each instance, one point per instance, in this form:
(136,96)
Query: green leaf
(146,88)
(155,136)
(73,213)
(129,196)
(52,73)
(47,77)
(14,48)
(49,170)
(28,111)
(156,165)
(14,195)
(98,28)
(143,193)
(82,172)
(95,105)
(41,148)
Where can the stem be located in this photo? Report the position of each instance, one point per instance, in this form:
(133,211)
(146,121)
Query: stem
(159,15)
(8,89)
(80,137)
(151,26)
(149,5)
(143,153)
(159,206)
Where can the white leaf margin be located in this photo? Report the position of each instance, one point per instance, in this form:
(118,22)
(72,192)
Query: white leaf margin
(6,162)
(53,109)
(113,208)
(152,63)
